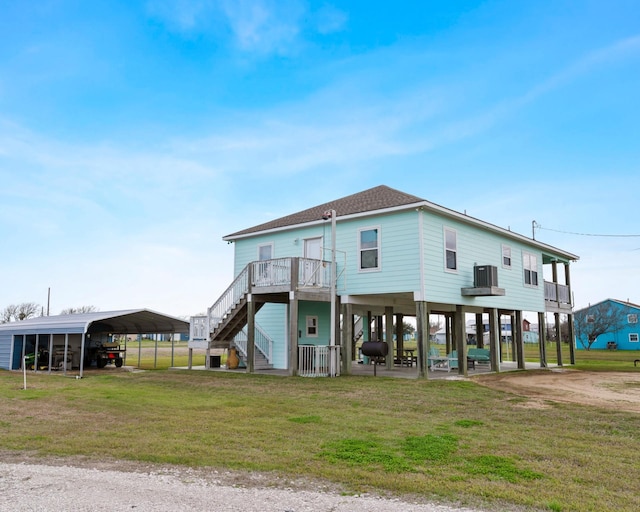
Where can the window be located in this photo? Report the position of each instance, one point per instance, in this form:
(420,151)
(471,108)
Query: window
(506,256)
(369,248)
(530,264)
(633,337)
(312,327)
(450,249)
(265,252)
(632,318)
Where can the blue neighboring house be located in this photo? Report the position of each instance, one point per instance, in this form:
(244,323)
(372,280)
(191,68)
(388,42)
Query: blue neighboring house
(622,335)
(310,284)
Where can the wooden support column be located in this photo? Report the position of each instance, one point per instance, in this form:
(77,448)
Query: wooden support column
(558,338)
(479,331)
(422,337)
(494,339)
(459,329)
(500,341)
(448,332)
(293,333)
(512,319)
(519,341)
(388,333)
(347,338)
(400,335)
(572,334)
(367,331)
(572,340)
(542,339)
(251,333)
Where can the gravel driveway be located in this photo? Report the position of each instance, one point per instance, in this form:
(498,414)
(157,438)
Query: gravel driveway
(38,487)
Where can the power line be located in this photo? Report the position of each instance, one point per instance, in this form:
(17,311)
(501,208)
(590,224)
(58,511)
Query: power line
(538,226)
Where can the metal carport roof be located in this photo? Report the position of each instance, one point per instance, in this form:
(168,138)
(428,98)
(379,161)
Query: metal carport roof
(130,321)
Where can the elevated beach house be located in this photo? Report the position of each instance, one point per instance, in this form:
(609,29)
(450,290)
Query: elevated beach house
(312,285)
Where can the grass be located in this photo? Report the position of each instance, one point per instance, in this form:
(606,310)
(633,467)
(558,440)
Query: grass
(448,440)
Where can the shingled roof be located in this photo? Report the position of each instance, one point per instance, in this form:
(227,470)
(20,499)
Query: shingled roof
(373,199)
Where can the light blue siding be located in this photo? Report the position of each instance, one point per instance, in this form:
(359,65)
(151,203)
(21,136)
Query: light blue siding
(399,258)
(272,318)
(476,246)
(323,311)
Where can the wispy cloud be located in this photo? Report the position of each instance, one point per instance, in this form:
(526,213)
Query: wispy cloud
(261,27)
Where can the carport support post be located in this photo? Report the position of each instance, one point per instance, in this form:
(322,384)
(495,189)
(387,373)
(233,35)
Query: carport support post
(82,354)
(66,351)
(155,354)
(139,349)
(495,344)
(388,333)
(542,339)
(422,337)
(519,340)
(459,330)
(50,352)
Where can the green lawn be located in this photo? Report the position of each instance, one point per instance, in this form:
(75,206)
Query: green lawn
(449,440)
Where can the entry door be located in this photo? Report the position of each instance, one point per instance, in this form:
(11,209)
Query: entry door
(263,275)
(312,273)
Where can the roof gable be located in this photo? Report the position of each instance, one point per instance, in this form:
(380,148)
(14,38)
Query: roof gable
(373,199)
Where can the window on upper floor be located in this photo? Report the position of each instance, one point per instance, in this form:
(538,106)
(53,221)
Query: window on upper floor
(265,252)
(369,248)
(450,250)
(633,337)
(530,265)
(632,318)
(312,326)
(506,256)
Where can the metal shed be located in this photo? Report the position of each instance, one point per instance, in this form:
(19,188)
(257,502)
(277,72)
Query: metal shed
(73,331)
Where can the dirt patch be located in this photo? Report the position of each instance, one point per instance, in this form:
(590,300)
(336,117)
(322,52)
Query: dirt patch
(616,390)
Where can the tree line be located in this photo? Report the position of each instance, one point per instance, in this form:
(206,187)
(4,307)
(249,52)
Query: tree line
(17,312)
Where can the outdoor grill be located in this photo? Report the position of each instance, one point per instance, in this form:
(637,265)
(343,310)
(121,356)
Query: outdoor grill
(375,350)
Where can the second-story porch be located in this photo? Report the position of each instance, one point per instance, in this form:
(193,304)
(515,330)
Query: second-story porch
(231,319)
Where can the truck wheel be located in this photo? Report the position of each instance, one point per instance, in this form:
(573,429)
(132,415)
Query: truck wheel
(100,363)
(118,362)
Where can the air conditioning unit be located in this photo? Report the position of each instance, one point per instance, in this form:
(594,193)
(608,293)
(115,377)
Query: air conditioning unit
(485,276)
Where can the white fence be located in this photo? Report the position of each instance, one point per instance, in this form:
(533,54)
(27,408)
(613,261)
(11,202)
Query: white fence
(319,361)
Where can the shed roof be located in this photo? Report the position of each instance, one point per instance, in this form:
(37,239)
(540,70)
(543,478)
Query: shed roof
(130,321)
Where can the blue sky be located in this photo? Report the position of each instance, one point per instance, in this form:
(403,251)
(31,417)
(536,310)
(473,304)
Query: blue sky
(135,135)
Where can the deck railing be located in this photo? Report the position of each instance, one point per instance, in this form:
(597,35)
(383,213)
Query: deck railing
(269,273)
(319,360)
(555,292)
(314,273)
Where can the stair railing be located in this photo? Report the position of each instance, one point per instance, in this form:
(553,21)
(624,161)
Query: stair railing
(229,299)
(264,343)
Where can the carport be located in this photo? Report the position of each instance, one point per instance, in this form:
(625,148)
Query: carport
(68,334)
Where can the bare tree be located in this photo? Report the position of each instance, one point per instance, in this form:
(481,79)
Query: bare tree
(15,312)
(598,319)
(77,311)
